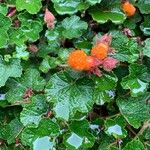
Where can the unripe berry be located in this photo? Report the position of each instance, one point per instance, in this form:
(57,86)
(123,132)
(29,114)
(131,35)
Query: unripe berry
(128,8)
(100,51)
(109,63)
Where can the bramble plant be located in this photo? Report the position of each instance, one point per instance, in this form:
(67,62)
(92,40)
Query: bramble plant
(74,75)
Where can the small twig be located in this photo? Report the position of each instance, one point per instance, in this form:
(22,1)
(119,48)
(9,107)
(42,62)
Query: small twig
(131,130)
(111,144)
(145,125)
(109,117)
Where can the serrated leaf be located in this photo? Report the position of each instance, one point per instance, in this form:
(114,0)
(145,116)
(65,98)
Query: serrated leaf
(10,69)
(5,24)
(126,49)
(13,129)
(32,6)
(43,143)
(105,144)
(65,93)
(16,36)
(146,49)
(145,26)
(3,9)
(31,79)
(135,144)
(93,2)
(116,127)
(78,138)
(32,113)
(3,39)
(104,88)
(30,27)
(46,128)
(137,80)
(32,30)
(53,39)
(135,110)
(48,63)
(66,6)
(73,27)
(144,6)
(116,17)
(21,52)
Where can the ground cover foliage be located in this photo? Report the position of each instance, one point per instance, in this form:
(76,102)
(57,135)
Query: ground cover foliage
(47,105)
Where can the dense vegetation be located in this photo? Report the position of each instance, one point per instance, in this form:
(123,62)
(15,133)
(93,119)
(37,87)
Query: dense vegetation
(74,75)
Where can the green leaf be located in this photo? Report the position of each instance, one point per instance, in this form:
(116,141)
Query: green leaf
(32,6)
(4,26)
(66,6)
(116,127)
(13,129)
(105,144)
(46,128)
(53,39)
(104,88)
(9,69)
(32,113)
(21,52)
(73,27)
(65,93)
(48,63)
(145,26)
(146,49)
(3,39)
(30,80)
(32,30)
(30,27)
(16,36)
(144,6)
(93,2)
(79,137)
(137,80)
(135,144)
(126,49)
(135,110)
(43,143)
(115,16)
(3,9)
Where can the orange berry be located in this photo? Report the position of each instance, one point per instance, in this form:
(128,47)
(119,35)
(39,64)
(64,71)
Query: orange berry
(78,60)
(100,51)
(128,8)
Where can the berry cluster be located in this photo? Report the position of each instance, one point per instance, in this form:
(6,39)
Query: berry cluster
(99,57)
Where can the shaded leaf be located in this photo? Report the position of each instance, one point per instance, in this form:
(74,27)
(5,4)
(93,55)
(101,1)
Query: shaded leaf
(116,127)
(137,80)
(31,79)
(135,144)
(135,110)
(126,49)
(146,49)
(144,6)
(43,143)
(79,136)
(10,69)
(105,87)
(46,128)
(32,113)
